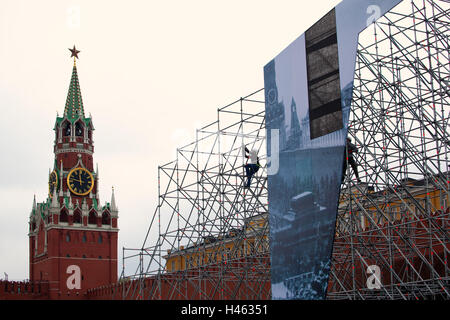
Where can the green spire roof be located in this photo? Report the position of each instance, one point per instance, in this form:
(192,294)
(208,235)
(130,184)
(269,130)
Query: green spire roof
(74,108)
(74,103)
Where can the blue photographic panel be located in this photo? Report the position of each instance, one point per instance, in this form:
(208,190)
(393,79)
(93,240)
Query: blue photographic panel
(308,91)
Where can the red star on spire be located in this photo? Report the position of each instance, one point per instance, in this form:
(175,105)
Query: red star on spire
(74,52)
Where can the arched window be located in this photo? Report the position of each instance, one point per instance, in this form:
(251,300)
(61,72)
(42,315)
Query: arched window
(79,129)
(92,218)
(63,216)
(84,239)
(67,237)
(100,238)
(77,217)
(66,129)
(106,220)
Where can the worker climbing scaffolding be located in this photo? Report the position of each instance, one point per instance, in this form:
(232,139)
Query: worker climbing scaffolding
(350,149)
(252,167)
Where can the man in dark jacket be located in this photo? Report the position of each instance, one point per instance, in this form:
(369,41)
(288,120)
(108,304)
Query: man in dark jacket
(350,149)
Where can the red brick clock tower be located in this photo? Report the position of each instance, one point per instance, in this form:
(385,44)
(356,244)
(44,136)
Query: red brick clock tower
(72,238)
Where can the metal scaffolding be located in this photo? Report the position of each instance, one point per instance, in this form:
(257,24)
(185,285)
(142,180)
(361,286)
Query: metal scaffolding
(211,231)
(209,238)
(397,218)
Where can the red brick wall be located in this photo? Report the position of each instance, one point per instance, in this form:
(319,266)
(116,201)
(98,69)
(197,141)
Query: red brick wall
(14,290)
(97,261)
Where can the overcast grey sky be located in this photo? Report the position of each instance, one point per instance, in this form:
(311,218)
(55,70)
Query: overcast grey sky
(150,73)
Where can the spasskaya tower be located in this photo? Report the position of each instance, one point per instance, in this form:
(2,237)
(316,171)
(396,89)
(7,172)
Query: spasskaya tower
(72,238)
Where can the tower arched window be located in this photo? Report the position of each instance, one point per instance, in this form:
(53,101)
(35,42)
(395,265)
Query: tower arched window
(77,217)
(63,216)
(92,218)
(106,219)
(79,129)
(67,237)
(100,239)
(66,129)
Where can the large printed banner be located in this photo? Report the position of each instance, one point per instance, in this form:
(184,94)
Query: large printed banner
(308,90)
